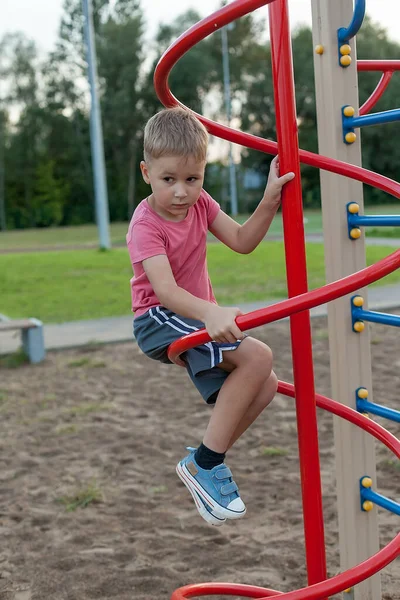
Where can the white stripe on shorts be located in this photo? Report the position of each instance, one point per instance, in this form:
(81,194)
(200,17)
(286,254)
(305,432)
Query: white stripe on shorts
(208,345)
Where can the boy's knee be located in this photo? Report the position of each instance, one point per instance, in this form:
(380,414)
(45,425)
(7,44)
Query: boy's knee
(251,354)
(261,357)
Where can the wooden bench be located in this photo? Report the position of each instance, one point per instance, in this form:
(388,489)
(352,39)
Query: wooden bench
(32,336)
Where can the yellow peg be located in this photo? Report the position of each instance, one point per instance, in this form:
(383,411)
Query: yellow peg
(362,393)
(345,60)
(350,137)
(355,233)
(358,301)
(368,505)
(359,326)
(348,111)
(345,49)
(353,208)
(366,482)
(319,49)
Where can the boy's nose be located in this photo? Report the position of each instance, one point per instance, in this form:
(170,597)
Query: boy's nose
(180,192)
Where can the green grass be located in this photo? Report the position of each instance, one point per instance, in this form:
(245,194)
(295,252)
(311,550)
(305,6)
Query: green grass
(59,237)
(87,235)
(82,497)
(262,273)
(14,360)
(88,284)
(273,451)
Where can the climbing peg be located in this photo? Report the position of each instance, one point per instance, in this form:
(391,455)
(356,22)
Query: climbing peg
(362,393)
(319,49)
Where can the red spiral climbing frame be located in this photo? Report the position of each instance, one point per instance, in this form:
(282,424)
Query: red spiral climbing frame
(300,300)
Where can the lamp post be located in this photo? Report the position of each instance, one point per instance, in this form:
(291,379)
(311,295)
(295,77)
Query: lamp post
(3,225)
(96,134)
(227,93)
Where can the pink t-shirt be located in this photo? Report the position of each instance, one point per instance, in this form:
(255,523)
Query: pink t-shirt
(183,242)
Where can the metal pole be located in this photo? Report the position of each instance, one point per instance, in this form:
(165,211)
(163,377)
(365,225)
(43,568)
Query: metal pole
(3,225)
(296,268)
(227,92)
(96,133)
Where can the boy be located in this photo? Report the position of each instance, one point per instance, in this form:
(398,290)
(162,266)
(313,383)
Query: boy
(172,296)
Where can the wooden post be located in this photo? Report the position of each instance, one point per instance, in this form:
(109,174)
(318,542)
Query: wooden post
(349,351)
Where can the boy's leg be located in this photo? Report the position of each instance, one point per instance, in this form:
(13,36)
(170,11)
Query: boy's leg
(241,398)
(252,368)
(264,398)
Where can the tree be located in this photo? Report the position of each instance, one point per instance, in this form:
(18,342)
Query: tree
(379,150)
(120,56)
(49,196)
(19,68)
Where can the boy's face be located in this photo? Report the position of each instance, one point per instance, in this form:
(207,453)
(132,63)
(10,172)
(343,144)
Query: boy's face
(176,183)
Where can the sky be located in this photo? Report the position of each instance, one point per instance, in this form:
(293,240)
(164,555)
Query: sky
(39,19)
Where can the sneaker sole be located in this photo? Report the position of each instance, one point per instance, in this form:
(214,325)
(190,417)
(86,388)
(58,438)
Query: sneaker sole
(195,488)
(207,516)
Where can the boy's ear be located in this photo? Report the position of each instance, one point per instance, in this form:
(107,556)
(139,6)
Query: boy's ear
(145,171)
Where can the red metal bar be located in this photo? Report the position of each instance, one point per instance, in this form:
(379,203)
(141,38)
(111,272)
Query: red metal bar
(296,272)
(283,309)
(198,32)
(378,65)
(377,93)
(339,582)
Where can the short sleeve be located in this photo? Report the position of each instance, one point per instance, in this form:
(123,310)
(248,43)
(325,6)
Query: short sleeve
(212,206)
(145,240)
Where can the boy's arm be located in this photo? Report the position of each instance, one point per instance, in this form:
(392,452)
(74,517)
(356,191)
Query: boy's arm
(219,321)
(245,238)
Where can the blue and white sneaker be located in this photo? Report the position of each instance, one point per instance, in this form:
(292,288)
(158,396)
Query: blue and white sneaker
(203,508)
(205,511)
(212,489)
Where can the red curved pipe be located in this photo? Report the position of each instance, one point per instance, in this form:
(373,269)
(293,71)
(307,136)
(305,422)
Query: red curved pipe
(377,93)
(378,65)
(201,30)
(283,309)
(340,582)
(301,301)
(388,67)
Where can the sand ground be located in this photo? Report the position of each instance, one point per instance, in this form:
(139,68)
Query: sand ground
(106,426)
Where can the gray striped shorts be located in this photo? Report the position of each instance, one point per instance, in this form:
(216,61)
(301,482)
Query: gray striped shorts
(159,327)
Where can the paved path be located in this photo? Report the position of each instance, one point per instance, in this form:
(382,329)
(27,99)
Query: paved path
(119,329)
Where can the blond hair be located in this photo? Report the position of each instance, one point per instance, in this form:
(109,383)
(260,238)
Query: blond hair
(175,132)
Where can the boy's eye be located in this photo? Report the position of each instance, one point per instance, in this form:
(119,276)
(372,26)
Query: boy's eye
(167,179)
(192,179)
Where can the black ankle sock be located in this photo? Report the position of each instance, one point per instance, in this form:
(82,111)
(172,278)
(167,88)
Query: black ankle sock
(207,459)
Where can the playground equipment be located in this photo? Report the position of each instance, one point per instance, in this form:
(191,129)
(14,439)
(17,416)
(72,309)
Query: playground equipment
(337,95)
